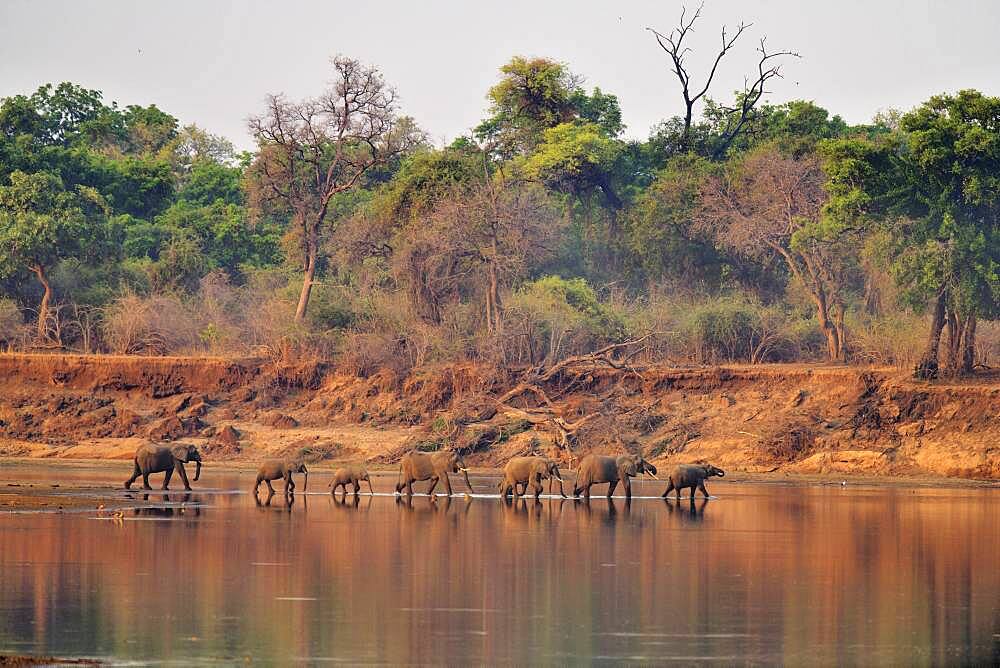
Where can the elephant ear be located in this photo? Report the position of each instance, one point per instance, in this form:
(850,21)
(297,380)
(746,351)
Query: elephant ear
(180,452)
(627,468)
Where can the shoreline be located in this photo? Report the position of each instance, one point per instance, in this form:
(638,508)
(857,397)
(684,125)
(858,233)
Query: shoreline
(36,496)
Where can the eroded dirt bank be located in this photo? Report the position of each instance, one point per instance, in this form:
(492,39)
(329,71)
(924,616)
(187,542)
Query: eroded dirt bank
(795,419)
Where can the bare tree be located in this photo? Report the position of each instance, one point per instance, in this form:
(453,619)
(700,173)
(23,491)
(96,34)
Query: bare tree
(480,241)
(770,204)
(738,116)
(312,150)
(673,44)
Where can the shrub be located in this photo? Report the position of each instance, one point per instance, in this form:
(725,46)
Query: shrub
(737,329)
(156,325)
(12,328)
(557,317)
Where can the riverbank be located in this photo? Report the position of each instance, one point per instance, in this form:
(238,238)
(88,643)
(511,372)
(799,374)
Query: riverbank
(94,486)
(820,420)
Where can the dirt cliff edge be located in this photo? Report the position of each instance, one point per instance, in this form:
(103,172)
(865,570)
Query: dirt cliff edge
(774,418)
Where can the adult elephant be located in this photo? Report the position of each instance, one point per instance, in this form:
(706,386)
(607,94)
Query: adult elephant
(597,469)
(529,471)
(151,458)
(277,469)
(434,466)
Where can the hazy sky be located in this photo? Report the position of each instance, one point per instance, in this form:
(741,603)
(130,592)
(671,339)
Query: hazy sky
(212,62)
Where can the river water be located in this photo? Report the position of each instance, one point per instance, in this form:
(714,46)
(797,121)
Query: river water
(763,573)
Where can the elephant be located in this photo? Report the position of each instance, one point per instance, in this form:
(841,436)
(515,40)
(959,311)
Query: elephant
(596,469)
(693,476)
(274,469)
(351,474)
(529,470)
(151,458)
(416,465)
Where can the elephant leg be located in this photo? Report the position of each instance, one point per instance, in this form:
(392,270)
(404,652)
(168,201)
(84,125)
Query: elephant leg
(447,484)
(701,486)
(538,488)
(586,491)
(409,487)
(670,487)
(270,490)
(166,478)
(694,488)
(136,472)
(612,487)
(184,476)
(430,490)
(628,487)
(145,480)
(357,488)
(371,490)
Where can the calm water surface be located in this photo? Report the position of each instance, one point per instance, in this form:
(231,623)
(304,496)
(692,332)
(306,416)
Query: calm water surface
(762,574)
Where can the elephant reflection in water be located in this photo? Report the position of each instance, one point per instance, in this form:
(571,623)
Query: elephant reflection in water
(349,502)
(437,505)
(521,507)
(612,514)
(285,504)
(688,511)
(170,511)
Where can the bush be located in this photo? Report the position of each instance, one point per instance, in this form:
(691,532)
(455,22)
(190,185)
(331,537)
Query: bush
(737,329)
(892,339)
(156,325)
(556,317)
(12,328)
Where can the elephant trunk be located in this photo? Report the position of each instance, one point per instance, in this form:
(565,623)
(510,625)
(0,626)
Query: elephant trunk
(305,479)
(197,470)
(465,474)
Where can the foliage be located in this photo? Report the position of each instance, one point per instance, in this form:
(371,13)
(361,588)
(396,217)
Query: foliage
(754,232)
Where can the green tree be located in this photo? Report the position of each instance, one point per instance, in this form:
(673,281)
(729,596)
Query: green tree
(535,94)
(936,185)
(41,223)
(575,158)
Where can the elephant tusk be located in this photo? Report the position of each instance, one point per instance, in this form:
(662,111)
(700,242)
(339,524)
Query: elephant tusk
(559,479)
(463,470)
(654,476)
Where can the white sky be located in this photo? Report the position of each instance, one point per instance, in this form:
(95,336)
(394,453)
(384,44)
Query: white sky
(212,62)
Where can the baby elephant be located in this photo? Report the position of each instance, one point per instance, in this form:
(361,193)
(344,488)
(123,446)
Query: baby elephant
(351,474)
(693,476)
(529,470)
(274,469)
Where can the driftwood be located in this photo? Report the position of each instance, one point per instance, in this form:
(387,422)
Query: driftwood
(547,414)
(601,357)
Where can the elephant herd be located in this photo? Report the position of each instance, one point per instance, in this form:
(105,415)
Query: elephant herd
(520,473)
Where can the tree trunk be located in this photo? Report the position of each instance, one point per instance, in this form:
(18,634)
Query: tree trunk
(43,307)
(840,328)
(953,326)
(928,367)
(969,345)
(494,322)
(307,283)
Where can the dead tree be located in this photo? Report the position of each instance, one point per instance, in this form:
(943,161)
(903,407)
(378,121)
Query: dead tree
(738,116)
(673,44)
